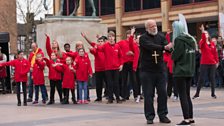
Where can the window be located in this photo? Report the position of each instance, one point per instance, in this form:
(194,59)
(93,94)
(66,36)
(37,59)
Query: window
(132,5)
(149,4)
(179,2)
(107,7)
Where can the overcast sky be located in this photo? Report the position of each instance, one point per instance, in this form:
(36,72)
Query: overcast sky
(34,7)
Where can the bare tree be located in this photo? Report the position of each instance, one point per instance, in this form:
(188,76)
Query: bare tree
(27,10)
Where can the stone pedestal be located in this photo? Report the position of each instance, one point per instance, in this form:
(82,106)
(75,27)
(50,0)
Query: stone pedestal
(68,30)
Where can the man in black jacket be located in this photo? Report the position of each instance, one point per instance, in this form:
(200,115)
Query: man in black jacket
(152,45)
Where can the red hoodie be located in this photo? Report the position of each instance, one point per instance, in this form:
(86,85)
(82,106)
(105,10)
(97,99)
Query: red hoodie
(38,72)
(68,78)
(61,57)
(99,60)
(73,55)
(134,48)
(54,72)
(38,52)
(113,55)
(124,45)
(83,68)
(22,67)
(209,53)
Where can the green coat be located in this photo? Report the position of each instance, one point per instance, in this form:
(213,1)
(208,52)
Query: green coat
(184,56)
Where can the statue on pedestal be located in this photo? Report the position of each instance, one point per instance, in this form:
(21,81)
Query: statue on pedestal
(74,12)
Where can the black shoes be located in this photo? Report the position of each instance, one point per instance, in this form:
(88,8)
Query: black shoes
(98,100)
(19,104)
(50,103)
(164,120)
(149,122)
(119,101)
(24,104)
(214,96)
(109,101)
(29,100)
(195,97)
(184,123)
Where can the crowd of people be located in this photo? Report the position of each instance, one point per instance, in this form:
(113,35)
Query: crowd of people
(140,62)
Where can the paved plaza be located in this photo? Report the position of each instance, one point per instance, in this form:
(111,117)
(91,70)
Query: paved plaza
(207,112)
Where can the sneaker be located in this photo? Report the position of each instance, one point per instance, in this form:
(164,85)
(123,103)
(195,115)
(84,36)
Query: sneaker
(149,122)
(85,102)
(214,96)
(50,103)
(137,100)
(98,100)
(109,101)
(19,104)
(79,102)
(35,102)
(184,123)
(164,120)
(195,97)
(29,100)
(192,121)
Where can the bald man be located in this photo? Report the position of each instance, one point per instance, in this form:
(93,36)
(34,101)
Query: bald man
(152,45)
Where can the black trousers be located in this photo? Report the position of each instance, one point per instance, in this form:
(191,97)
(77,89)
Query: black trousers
(138,81)
(171,86)
(128,73)
(113,83)
(66,94)
(151,81)
(2,80)
(57,84)
(18,92)
(210,69)
(183,86)
(100,80)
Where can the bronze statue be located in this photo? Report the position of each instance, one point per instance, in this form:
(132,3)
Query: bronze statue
(74,13)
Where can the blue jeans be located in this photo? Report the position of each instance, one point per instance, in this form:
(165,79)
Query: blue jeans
(30,86)
(82,87)
(43,92)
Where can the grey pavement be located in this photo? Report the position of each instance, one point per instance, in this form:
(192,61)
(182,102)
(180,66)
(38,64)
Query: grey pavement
(207,112)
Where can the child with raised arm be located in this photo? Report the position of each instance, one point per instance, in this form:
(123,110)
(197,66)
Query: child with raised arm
(83,71)
(22,67)
(38,78)
(54,77)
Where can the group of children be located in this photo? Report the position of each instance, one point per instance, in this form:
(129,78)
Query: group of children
(67,68)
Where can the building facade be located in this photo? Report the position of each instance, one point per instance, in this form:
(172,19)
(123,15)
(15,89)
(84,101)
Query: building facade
(121,15)
(8,22)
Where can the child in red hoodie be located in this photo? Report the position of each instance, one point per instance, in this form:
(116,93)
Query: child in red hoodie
(54,77)
(38,78)
(22,67)
(83,71)
(68,82)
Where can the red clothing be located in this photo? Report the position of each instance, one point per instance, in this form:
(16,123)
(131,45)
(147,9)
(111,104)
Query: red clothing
(3,72)
(22,67)
(83,68)
(209,54)
(167,56)
(113,56)
(61,56)
(124,45)
(38,72)
(73,55)
(99,60)
(54,72)
(134,48)
(68,78)
(38,52)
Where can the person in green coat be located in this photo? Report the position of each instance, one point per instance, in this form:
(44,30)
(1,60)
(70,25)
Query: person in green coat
(184,48)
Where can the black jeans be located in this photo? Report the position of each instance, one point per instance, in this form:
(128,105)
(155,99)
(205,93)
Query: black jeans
(18,91)
(128,73)
(171,86)
(100,79)
(210,69)
(57,84)
(183,86)
(3,82)
(66,94)
(151,81)
(113,83)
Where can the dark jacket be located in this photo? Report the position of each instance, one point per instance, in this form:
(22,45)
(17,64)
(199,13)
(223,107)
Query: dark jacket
(149,44)
(184,56)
